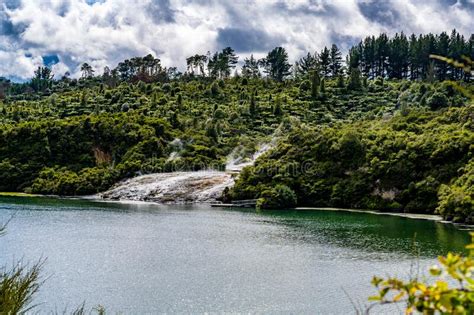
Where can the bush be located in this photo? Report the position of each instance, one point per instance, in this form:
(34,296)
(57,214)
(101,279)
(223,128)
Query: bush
(215,89)
(305,86)
(279,197)
(437,100)
(456,201)
(66,182)
(166,87)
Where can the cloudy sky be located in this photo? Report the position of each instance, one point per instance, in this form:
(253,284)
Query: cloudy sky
(65,33)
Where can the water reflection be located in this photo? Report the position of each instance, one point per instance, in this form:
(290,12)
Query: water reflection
(375,233)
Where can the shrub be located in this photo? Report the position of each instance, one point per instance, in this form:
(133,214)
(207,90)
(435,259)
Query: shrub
(437,100)
(166,87)
(278,197)
(214,89)
(456,201)
(305,85)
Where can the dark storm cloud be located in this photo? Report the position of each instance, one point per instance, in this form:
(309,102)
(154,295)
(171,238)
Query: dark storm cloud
(7,28)
(344,42)
(12,4)
(160,11)
(246,40)
(381,12)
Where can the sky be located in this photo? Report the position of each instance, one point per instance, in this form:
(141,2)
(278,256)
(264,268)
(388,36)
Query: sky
(63,34)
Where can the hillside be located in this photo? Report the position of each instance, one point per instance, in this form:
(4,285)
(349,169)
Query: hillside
(340,137)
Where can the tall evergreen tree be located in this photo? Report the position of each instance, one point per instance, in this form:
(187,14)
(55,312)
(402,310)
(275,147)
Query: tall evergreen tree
(42,80)
(276,64)
(325,62)
(442,49)
(335,64)
(250,69)
(306,64)
(382,50)
(398,57)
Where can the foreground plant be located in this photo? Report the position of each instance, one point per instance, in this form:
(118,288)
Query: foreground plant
(450,292)
(18,285)
(17,288)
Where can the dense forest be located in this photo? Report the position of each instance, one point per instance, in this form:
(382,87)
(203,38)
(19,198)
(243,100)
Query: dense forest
(387,128)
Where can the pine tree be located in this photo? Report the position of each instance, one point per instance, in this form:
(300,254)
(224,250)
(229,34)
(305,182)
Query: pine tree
(250,69)
(306,65)
(276,64)
(322,88)
(325,62)
(335,64)
(442,49)
(315,81)
(381,54)
(354,80)
(277,110)
(253,109)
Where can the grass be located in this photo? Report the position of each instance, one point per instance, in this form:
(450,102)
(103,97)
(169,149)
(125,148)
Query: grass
(17,194)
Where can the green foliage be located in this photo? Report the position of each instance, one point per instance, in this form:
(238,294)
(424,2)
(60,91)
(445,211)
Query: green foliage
(399,164)
(375,144)
(17,288)
(278,197)
(354,80)
(315,81)
(18,285)
(66,182)
(437,100)
(84,151)
(450,292)
(276,64)
(457,200)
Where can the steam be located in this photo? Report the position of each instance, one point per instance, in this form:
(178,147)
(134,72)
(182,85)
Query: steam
(237,160)
(176,146)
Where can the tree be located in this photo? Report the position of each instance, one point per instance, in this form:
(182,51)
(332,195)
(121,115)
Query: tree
(196,64)
(276,64)
(4,87)
(109,77)
(322,88)
(335,64)
(354,57)
(415,57)
(442,49)
(398,57)
(253,108)
(278,197)
(250,69)
(42,80)
(229,60)
(221,63)
(306,64)
(87,70)
(354,79)
(315,81)
(325,62)
(368,57)
(382,50)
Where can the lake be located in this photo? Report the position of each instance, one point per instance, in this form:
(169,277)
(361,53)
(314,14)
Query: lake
(146,258)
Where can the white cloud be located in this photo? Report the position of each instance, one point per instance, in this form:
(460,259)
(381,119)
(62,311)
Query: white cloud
(109,31)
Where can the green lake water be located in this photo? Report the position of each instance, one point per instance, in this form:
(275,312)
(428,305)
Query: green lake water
(145,258)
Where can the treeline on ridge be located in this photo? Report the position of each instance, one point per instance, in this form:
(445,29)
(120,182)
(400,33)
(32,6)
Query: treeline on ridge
(372,132)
